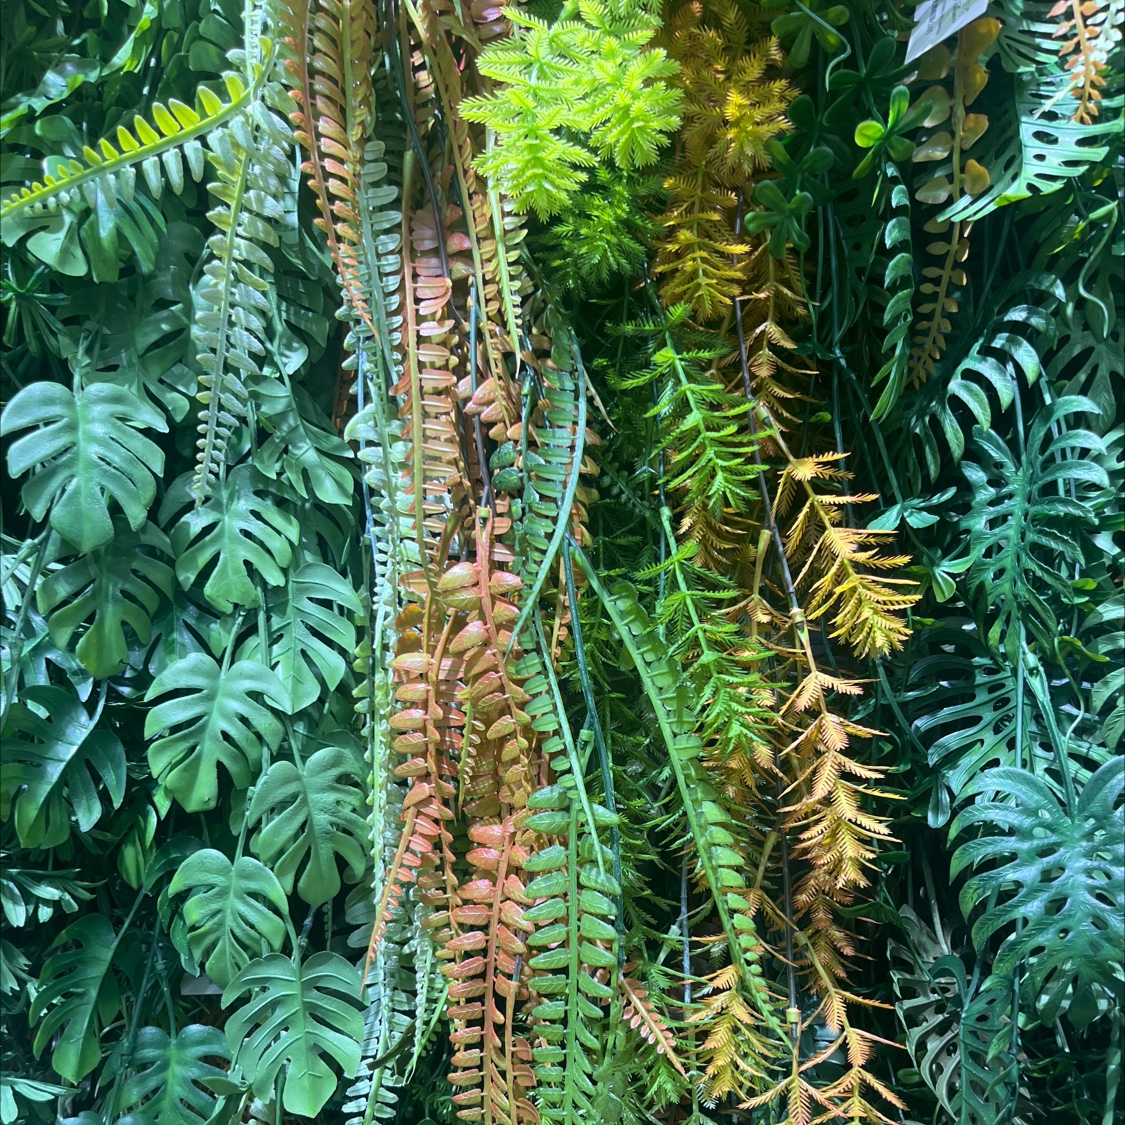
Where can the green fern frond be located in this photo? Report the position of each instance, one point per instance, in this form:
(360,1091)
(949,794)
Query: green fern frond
(720,867)
(706,432)
(572,951)
(1035,151)
(113,168)
(250,160)
(898,314)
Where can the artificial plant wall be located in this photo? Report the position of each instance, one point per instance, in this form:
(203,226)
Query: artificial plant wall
(562,563)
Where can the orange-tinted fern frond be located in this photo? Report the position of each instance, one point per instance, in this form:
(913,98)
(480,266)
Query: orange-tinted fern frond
(735,102)
(735,1056)
(426,735)
(492,231)
(492,1065)
(1090,30)
(329,61)
(951,175)
(806,1102)
(836,560)
(640,1014)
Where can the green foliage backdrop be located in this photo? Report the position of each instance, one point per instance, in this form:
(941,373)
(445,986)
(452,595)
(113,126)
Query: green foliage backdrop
(561,563)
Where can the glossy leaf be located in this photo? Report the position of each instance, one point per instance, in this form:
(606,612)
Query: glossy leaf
(307,815)
(90,448)
(217,720)
(234,912)
(118,585)
(240,530)
(78,996)
(1059,879)
(296,1017)
(169,1082)
(309,632)
(52,766)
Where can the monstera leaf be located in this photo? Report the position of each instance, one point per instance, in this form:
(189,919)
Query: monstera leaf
(239,529)
(1058,877)
(1022,525)
(88,450)
(166,1087)
(310,630)
(235,912)
(1107,697)
(973,712)
(952,1031)
(117,585)
(50,763)
(297,1013)
(36,894)
(309,814)
(1036,149)
(78,997)
(216,720)
(299,444)
(1009,342)
(143,348)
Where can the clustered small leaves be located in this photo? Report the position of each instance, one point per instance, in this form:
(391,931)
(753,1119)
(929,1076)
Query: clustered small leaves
(584,75)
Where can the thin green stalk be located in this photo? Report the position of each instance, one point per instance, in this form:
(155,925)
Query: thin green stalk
(604,763)
(126,1056)
(576,766)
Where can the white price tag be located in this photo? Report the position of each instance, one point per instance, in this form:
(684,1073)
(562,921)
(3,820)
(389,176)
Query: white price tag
(938,19)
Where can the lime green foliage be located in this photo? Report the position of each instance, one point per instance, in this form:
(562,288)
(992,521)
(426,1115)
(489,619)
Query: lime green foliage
(600,238)
(107,170)
(890,141)
(706,430)
(581,88)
